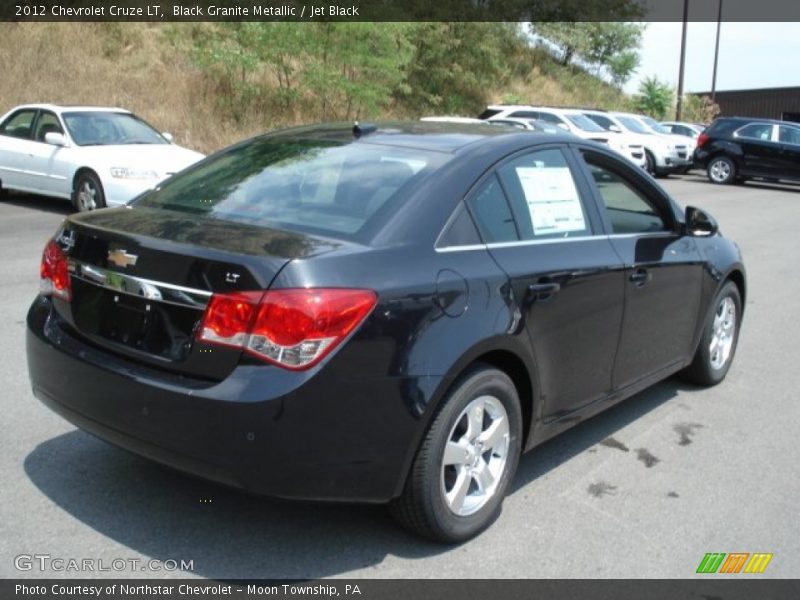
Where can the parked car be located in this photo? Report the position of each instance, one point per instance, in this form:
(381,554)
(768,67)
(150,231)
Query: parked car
(691,130)
(388,315)
(662,155)
(93,156)
(526,124)
(460,120)
(573,121)
(684,144)
(735,149)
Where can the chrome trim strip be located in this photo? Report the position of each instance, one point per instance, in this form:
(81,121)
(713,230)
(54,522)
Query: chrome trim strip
(583,238)
(138,286)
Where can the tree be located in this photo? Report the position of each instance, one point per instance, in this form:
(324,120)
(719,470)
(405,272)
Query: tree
(655,97)
(609,46)
(699,109)
(622,66)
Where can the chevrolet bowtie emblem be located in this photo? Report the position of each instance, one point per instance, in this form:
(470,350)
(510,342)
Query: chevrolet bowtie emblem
(121,258)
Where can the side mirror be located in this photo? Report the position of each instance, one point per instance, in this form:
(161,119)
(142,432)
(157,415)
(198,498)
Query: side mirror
(167,136)
(563,126)
(699,223)
(614,128)
(55,139)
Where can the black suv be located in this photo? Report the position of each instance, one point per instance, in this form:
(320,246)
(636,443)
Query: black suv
(734,149)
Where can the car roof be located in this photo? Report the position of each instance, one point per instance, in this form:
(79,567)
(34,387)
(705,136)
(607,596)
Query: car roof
(422,135)
(59,108)
(756,120)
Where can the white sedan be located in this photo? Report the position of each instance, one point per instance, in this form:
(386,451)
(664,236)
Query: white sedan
(94,156)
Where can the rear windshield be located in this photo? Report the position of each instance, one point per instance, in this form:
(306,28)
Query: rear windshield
(310,186)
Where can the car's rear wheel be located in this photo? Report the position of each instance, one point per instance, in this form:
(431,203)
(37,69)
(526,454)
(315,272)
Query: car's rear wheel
(466,462)
(721,334)
(88,192)
(722,170)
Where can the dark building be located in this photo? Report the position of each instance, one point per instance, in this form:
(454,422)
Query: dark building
(767,103)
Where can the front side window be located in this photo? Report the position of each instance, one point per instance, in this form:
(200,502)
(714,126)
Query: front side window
(297,184)
(99,128)
(756,131)
(789,135)
(47,123)
(19,124)
(525,114)
(544,196)
(602,121)
(629,210)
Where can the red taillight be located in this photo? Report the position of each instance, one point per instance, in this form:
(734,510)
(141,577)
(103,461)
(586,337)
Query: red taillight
(54,272)
(702,139)
(293,328)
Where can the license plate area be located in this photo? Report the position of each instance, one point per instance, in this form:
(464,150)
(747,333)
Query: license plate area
(144,325)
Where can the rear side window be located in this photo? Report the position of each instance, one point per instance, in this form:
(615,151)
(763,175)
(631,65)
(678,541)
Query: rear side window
(489,113)
(313,186)
(544,196)
(789,135)
(756,131)
(19,124)
(628,208)
(525,114)
(492,214)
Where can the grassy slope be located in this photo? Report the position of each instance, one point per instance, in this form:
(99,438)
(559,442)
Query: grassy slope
(143,67)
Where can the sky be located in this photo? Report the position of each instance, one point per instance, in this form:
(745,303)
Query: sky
(751,55)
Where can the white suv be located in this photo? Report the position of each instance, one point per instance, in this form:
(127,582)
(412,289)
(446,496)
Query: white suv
(662,154)
(575,122)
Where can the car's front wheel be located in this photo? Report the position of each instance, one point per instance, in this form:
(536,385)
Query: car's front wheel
(466,462)
(88,192)
(718,345)
(721,169)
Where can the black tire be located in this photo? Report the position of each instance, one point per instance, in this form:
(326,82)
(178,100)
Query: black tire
(721,170)
(87,193)
(650,163)
(703,370)
(423,507)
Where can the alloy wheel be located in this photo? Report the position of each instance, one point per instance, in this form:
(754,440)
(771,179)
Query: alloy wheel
(723,331)
(475,456)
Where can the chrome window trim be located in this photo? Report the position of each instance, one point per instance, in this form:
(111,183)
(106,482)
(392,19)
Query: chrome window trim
(131,285)
(582,238)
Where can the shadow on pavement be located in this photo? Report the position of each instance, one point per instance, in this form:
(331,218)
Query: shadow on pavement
(229,534)
(43,203)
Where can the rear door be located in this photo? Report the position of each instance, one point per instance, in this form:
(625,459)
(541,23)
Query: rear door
(663,270)
(534,216)
(15,145)
(761,152)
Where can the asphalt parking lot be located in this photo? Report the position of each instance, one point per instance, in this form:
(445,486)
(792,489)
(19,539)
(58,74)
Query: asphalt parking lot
(643,490)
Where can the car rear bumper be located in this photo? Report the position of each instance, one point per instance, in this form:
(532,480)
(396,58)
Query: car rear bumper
(319,439)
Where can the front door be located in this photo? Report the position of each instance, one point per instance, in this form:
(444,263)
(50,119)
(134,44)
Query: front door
(663,271)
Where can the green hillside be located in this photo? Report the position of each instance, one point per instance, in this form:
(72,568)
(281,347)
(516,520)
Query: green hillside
(212,84)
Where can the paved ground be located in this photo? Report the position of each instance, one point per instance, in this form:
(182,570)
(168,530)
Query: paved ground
(722,474)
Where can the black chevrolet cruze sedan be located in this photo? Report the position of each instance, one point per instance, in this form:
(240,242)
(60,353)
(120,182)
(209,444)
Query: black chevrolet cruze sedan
(386,314)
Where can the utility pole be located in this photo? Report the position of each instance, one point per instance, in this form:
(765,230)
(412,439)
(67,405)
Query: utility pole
(716,55)
(679,109)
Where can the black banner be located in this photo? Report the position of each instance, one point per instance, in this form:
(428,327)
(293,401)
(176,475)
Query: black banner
(399,10)
(394,589)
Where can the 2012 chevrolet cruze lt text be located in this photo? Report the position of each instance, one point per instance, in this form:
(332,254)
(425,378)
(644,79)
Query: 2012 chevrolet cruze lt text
(384,314)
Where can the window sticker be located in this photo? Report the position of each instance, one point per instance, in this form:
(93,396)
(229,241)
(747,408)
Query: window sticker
(552,198)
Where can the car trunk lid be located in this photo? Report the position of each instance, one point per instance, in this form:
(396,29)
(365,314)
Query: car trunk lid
(141,279)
